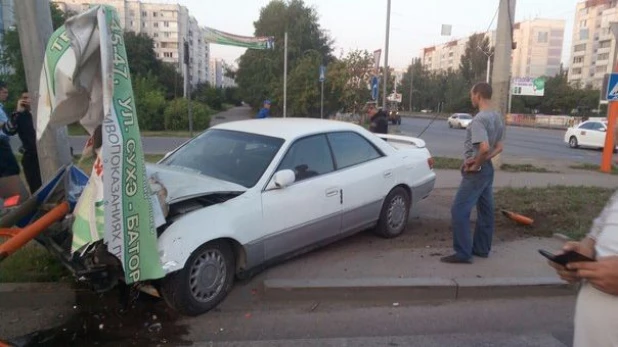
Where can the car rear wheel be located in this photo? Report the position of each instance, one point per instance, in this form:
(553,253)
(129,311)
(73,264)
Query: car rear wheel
(395,212)
(204,282)
(573,142)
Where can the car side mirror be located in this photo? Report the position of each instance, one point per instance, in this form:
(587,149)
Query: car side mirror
(603,130)
(283,179)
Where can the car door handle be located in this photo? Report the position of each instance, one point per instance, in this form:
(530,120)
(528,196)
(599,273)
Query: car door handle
(388,174)
(332,192)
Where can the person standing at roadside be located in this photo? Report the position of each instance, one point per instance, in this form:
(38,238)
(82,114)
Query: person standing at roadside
(21,123)
(484,137)
(378,119)
(8,162)
(264,111)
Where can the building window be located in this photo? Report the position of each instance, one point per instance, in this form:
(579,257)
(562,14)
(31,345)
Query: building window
(155,34)
(132,13)
(579,48)
(168,54)
(166,24)
(602,68)
(143,24)
(584,34)
(166,34)
(577,71)
(603,56)
(132,24)
(156,24)
(542,37)
(154,14)
(578,60)
(605,44)
(144,14)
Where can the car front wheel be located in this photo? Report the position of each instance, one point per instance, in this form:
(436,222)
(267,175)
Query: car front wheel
(395,212)
(204,282)
(573,142)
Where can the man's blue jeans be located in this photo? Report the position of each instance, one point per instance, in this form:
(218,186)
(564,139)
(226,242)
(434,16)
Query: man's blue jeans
(476,189)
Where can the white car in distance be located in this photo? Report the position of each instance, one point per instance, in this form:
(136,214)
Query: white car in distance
(587,134)
(246,194)
(459,120)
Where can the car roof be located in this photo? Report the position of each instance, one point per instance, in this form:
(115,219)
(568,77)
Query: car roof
(287,128)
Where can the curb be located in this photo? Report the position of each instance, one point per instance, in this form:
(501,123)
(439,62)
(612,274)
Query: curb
(17,295)
(414,289)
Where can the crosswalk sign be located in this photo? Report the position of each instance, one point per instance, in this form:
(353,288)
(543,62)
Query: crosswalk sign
(612,87)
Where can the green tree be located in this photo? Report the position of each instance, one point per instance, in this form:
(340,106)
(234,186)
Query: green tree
(473,64)
(141,54)
(347,82)
(150,102)
(260,73)
(176,115)
(13,72)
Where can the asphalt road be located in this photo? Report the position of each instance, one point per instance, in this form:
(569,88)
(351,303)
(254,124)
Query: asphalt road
(529,143)
(517,322)
(524,143)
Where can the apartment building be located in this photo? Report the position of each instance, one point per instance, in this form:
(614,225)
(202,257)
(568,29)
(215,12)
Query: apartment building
(594,46)
(538,52)
(217,74)
(169,25)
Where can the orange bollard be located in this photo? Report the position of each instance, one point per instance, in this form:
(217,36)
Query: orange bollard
(31,231)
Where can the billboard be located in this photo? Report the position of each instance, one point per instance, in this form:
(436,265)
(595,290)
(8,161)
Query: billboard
(529,86)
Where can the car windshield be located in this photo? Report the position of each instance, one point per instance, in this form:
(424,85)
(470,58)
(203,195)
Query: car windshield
(465,116)
(231,156)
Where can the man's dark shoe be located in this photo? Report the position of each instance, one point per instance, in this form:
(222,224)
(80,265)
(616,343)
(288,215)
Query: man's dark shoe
(480,255)
(454,259)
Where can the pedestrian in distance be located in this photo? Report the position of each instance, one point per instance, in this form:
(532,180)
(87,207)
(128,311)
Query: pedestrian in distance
(265,110)
(484,140)
(10,182)
(20,122)
(377,118)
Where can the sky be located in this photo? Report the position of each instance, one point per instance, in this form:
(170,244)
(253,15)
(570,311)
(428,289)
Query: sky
(361,24)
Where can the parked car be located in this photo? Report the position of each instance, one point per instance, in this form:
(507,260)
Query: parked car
(459,120)
(587,134)
(246,194)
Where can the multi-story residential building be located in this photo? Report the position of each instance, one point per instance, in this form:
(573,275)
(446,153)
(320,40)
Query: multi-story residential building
(538,51)
(539,47)
(217,71)
(594,46)
(169,25)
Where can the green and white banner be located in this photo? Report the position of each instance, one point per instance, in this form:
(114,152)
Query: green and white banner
(85,78)
(223,38)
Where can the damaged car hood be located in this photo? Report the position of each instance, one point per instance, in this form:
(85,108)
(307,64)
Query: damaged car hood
(183,184)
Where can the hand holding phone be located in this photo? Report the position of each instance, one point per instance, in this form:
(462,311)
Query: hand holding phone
(565,258)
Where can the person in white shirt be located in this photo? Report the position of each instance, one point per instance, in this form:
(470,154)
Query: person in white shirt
(596,310)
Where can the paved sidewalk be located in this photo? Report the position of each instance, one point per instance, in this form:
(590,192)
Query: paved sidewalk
(452,178)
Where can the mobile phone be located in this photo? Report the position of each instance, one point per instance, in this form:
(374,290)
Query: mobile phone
(565,258)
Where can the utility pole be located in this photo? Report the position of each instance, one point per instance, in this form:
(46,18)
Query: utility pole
(188,86)
(500,81)
(411,84)
(388,30)
(34,26)
(285,74)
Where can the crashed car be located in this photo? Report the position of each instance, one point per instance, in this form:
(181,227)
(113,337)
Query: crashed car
(244,195)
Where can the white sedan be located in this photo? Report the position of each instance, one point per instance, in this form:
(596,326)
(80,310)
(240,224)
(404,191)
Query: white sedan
(459,120)
(246,194)
(587,134)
